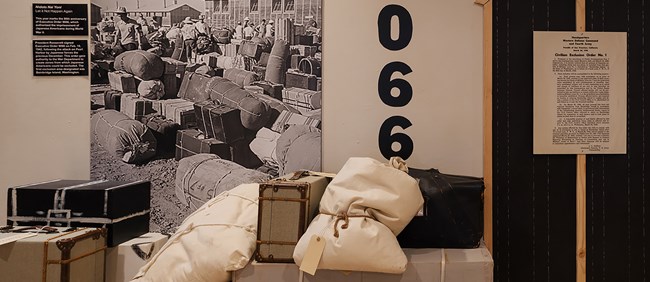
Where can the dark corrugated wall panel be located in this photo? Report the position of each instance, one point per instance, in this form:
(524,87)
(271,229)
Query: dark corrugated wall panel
(534,196)
(618,205)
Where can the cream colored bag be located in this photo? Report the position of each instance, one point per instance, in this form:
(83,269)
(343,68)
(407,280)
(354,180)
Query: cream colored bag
(217,238)
(364,207)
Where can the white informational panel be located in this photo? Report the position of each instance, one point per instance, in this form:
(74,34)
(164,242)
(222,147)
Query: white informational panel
(403,78)
(580,92)
(45,126)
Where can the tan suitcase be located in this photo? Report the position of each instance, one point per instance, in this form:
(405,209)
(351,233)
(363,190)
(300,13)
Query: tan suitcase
(122,81)
(286,207)
(59,255)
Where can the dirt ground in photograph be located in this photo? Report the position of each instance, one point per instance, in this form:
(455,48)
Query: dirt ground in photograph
(167,212)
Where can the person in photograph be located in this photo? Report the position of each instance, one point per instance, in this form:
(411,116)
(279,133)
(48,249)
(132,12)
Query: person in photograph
(313,30)
(201,27)
(260,29)
(188,31)
(127,33)
(270,29)
(239,30)
(248,31)
(247,20)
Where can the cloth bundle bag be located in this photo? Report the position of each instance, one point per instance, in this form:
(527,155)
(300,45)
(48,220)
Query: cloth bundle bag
(299,148)
(277,66)
(213,241)
(364,207)
(202,176)
(254,113)
(142,64)
(122,137)
(240,77)
(151,89)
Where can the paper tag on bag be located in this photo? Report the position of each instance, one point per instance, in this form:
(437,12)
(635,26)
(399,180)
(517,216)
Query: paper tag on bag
(313,254)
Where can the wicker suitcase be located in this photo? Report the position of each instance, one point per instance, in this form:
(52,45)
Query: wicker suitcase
(52,254)
(286,207)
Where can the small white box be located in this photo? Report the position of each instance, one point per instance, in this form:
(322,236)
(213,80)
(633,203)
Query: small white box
(124,261)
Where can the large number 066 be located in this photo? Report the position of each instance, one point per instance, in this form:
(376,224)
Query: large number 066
(386,84)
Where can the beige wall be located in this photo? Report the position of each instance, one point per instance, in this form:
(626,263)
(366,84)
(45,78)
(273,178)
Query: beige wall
(44,133)
(445,55)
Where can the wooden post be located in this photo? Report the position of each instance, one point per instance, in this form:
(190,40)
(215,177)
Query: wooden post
(487,121)
(581,183)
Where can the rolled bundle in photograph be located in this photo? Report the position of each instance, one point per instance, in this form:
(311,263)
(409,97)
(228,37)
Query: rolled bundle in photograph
(143,64)
(276,68)
(201,177)
(240,77)
(254,112)
(299,148)
(151,89)
(122,137)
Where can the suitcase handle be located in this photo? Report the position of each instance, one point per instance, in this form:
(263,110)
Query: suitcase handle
(311,65)
(140,253)
(52,212)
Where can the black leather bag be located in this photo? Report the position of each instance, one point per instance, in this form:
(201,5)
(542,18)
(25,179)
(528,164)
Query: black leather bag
(452,212)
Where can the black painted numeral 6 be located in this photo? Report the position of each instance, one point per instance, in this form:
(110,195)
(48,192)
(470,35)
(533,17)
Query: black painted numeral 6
(387,138)
(385,84)
(405,27)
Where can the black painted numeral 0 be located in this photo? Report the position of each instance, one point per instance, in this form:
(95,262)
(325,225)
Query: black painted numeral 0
(405,27)
(387,138)
(385,84)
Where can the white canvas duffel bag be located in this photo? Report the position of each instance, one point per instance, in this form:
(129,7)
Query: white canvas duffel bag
(364,207)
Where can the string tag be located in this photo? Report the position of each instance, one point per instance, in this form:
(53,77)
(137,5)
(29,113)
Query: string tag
(313,254)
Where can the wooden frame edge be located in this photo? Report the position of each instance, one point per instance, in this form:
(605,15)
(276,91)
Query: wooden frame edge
(581,182)
(487,121)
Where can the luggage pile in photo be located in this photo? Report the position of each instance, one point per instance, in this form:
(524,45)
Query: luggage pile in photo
(242,111)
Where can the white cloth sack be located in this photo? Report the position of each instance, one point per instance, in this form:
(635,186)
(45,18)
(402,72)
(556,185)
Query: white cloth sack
(264,146)
(364,207)
(216,239)
(151,89)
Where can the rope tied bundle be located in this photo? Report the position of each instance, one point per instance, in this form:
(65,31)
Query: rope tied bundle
(346,218)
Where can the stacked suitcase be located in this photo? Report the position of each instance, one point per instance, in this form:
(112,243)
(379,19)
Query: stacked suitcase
(286,207)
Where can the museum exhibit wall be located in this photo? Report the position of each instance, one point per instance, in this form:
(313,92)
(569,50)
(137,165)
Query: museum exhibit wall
(45,135)
(44,120)
(535,196)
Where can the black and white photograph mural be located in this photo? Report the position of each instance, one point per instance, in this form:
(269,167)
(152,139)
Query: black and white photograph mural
(201,96)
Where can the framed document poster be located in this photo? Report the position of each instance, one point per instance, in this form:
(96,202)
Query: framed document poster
(580,92)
